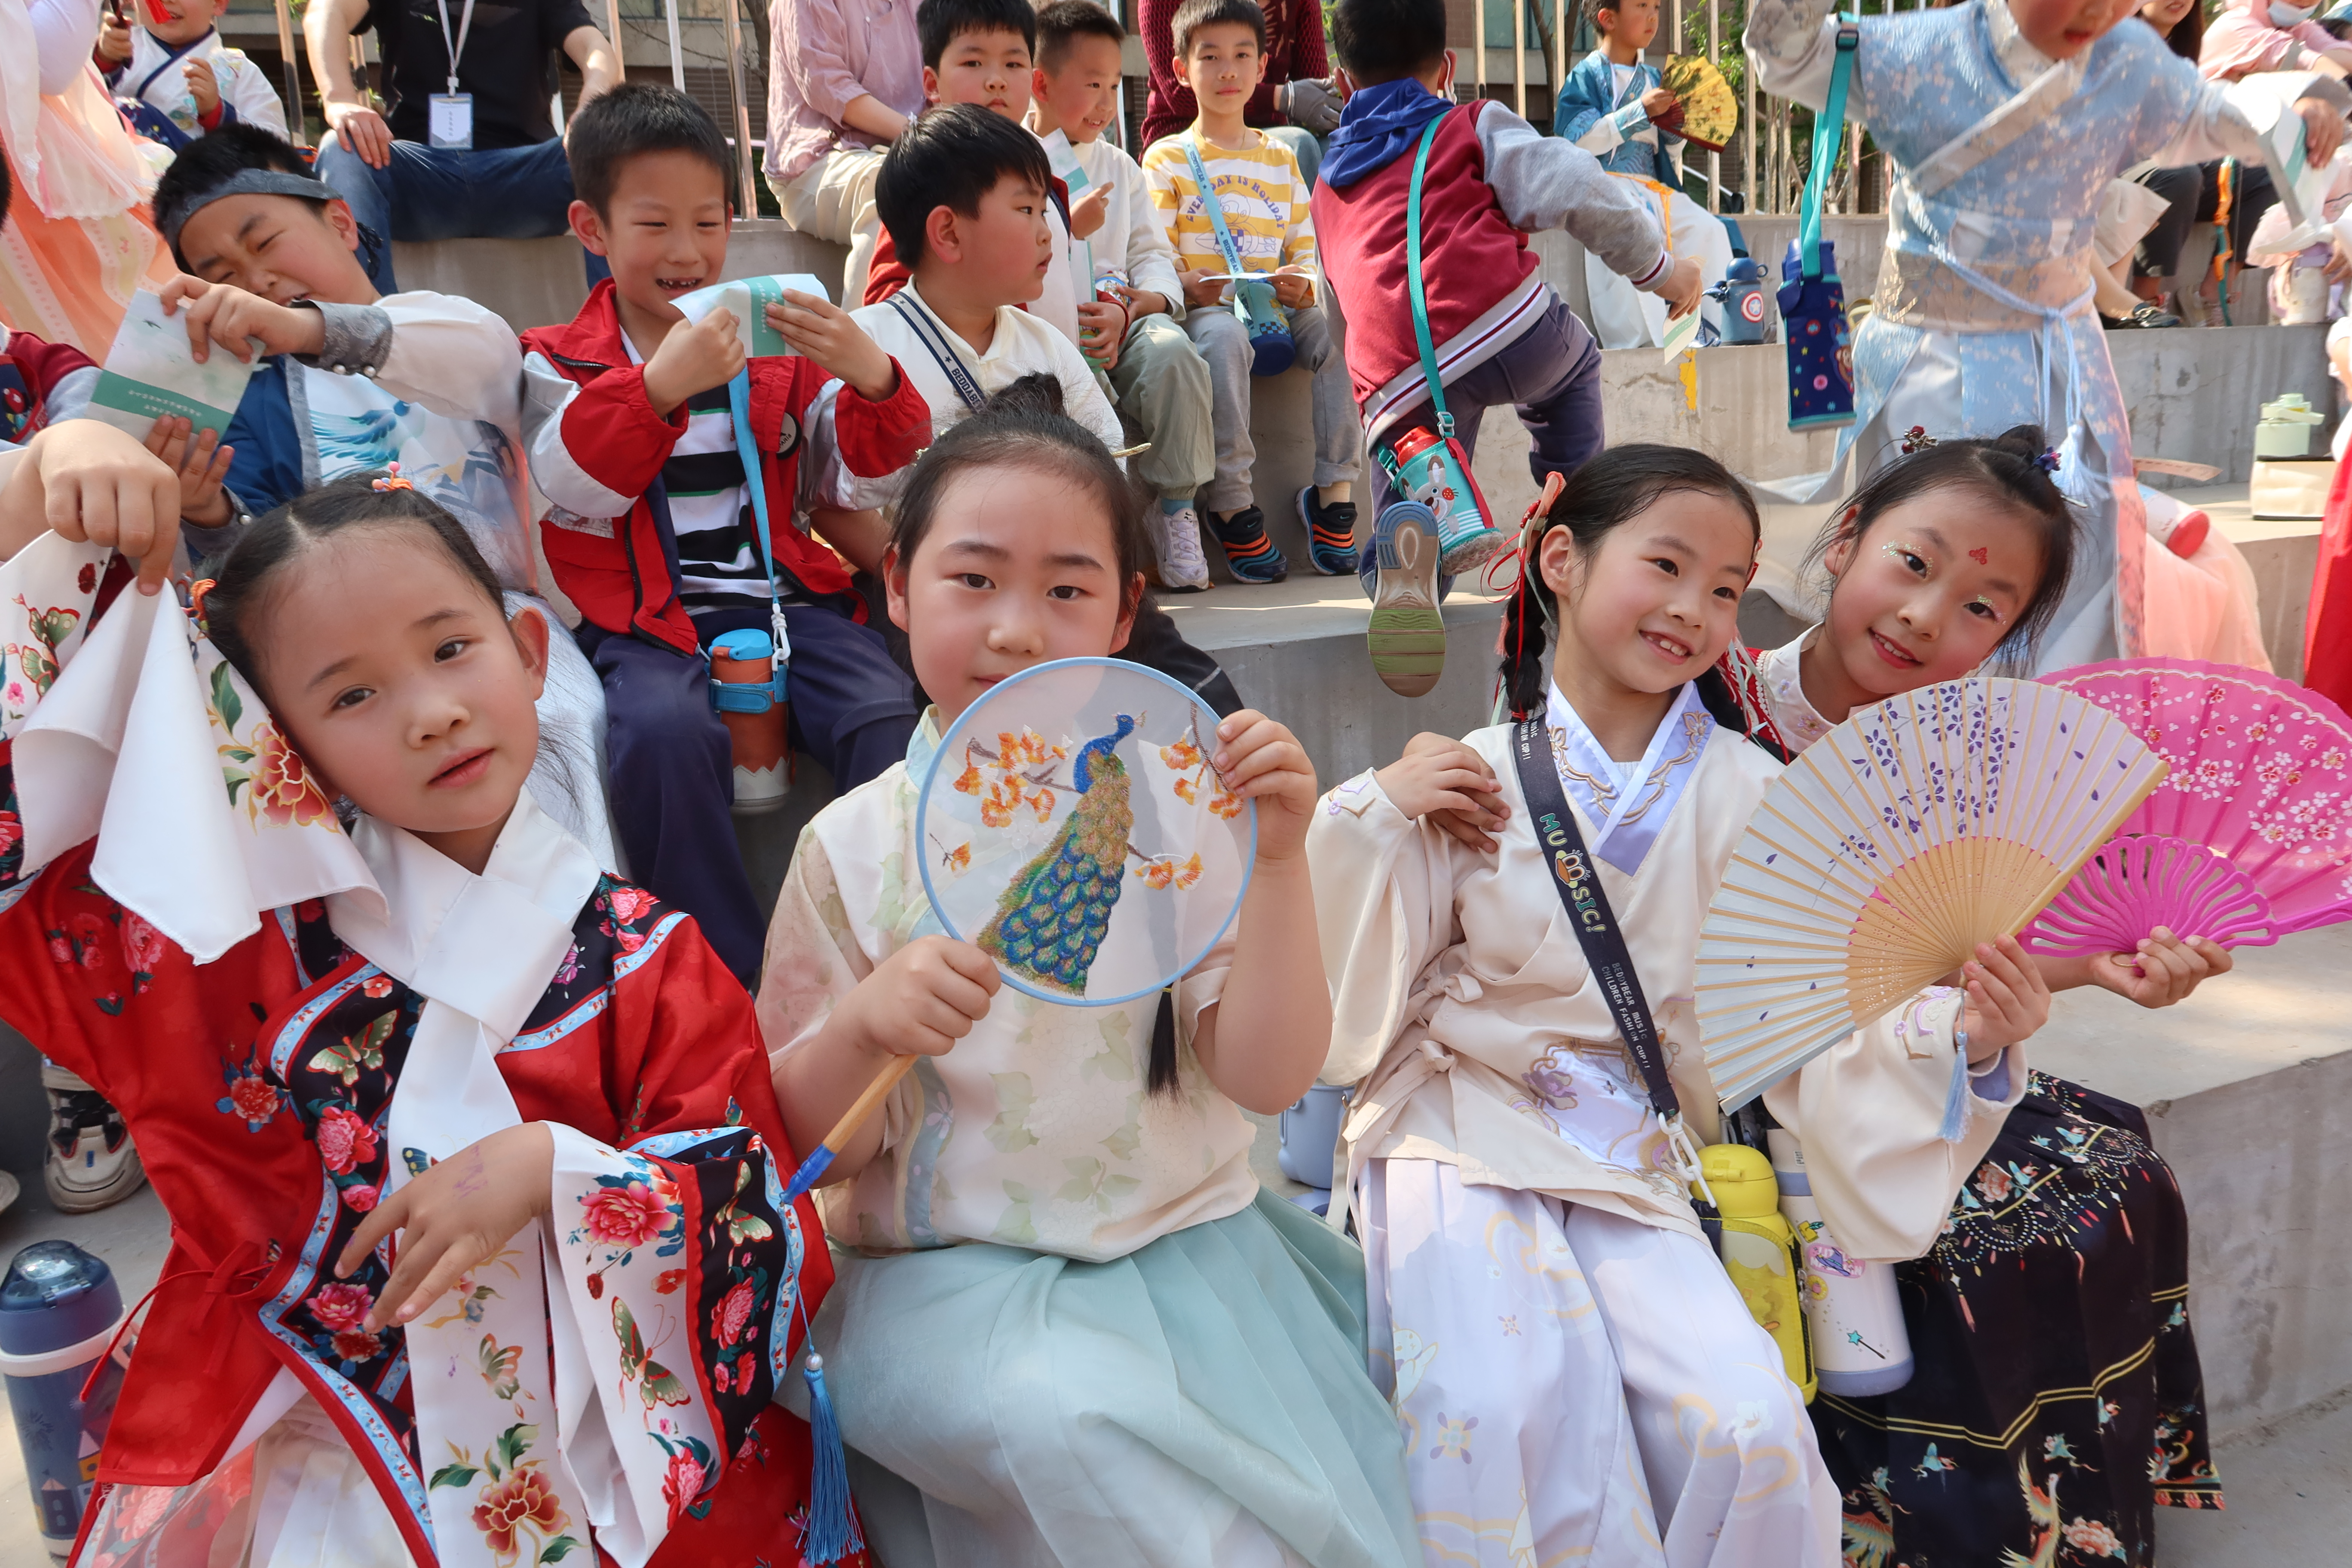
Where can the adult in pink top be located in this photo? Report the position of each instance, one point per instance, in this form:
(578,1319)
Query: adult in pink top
(2252,36)
(844,78)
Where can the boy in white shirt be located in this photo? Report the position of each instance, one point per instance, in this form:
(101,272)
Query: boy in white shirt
(176,80)
(1131,322)
(962,199)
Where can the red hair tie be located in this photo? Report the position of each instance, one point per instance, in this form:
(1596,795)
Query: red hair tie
(196,592)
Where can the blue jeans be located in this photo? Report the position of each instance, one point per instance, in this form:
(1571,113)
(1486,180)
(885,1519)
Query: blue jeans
(1551,376)
(432,193)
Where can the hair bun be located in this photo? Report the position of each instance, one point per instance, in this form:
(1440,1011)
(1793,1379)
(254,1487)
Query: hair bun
(1033,395)
(2026,441)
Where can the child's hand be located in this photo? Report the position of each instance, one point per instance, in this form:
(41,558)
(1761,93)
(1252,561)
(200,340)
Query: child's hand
(113,37)
(695,357)
(91,482)
(1681,289)
(1087,212)
(1657,103)
(202,86)
(1139,302)
(1444,781)
(2008,999)
(1260,760)
(225,314)
(835,343)
(2164,970)
(454,1217)
(920,1000)
(202,465)
(1294,286)
(2323,129)
(1201,288)
(1101,326)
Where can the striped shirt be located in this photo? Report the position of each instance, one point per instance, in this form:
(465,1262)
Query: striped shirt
(1263,199)
(719,561)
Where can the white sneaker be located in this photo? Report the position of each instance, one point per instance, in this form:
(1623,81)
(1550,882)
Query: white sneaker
(1184,568)
(92,1162)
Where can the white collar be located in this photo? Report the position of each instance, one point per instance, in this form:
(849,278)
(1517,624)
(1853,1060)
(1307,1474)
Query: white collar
(1628,815)
(1780,684)
(2021,60)
(485,945)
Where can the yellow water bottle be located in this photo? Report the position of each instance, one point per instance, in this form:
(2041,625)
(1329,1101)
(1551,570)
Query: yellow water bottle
(1759,1252)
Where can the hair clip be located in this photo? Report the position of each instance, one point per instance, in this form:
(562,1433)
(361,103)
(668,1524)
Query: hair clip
(1916,439)
(2047,461)
(392,479)
(196,592)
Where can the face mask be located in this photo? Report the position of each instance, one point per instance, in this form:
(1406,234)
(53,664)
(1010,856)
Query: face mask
(2290,16)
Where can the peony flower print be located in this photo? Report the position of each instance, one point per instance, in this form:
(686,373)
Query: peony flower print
(345,1142)
(338,1306)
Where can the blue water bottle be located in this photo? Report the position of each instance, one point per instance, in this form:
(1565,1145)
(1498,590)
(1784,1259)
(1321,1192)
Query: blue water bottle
(59,1307)
(1741,295)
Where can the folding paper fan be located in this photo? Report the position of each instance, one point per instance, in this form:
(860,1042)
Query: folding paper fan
(1894,845)
(2139,882)
(1710,109)
(2261,775)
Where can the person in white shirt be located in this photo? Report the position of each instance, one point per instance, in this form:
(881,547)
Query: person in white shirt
(1132,323)
(962,197)
(176,78)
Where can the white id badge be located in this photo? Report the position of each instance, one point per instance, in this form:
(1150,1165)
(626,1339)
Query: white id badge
(449,120)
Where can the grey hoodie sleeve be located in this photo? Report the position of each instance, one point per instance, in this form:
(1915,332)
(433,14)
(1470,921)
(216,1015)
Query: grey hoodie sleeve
(1545,182)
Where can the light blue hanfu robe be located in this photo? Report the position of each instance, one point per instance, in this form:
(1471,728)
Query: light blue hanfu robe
(1983,318)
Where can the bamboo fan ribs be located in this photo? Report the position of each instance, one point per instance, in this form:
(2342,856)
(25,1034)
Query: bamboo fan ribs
(1895,844)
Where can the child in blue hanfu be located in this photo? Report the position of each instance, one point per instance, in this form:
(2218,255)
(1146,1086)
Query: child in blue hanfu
(2005,121)
(1616,106)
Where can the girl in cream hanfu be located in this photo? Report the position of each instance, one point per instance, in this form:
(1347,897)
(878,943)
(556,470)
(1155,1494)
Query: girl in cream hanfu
(2004,122)
(2057,1382)
(1575,1376)
(444,1024)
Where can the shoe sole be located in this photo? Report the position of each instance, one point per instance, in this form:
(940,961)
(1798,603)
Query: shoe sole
(1407,638)
(89,1200)
(1307,521)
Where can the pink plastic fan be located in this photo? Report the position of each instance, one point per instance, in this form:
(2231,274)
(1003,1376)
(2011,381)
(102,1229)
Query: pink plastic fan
(2262,776)
(2134,885)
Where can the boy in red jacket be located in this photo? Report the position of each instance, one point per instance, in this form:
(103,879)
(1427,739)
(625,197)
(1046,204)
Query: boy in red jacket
(653,535)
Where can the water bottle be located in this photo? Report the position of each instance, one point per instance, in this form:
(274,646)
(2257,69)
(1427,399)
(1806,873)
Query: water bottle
(1860,1346)
(59,1307)
(747,686)
(1741,295)
(1310,1131)
(1759,1251)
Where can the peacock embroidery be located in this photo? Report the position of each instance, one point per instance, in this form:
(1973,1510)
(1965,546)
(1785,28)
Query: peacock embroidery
(1052,918)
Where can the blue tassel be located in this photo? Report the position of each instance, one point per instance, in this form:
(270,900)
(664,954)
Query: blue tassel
(832,1532)
(1956,1099)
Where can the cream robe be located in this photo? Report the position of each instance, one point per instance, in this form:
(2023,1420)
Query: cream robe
(1454,973)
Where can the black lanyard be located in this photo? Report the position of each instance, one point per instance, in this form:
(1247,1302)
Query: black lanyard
(928,332)
(1575,881)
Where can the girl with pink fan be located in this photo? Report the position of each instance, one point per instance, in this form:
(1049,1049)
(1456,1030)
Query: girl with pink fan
(1575,1373)
(1948,559)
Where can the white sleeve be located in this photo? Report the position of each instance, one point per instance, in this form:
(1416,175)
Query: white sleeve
(247,89)
(1794,44)
(450,354)
(2233,120)
(63,32)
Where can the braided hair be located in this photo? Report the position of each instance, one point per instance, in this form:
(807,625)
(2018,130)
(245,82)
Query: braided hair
(1612,490)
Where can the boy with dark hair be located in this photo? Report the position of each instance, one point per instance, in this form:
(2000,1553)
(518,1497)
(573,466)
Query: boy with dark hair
(352,381)
(1502,335)
(652,533)
(844,78)
(1261,227)
(1136,305)
(1616,106)
(963,193)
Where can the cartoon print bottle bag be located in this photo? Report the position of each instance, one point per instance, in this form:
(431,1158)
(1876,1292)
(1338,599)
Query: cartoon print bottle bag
(1812,300)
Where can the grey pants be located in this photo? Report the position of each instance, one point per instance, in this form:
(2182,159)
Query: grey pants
(1162,384)
(1339,436)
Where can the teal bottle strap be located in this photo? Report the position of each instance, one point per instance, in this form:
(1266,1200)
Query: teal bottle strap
(755,481)
(1412,277)
(1217,210)
(1829,131)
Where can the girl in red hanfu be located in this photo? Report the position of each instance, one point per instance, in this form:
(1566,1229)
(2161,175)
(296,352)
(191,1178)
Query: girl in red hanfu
(441,1024)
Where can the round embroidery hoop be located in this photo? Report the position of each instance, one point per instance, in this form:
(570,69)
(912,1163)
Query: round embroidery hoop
(1013,848)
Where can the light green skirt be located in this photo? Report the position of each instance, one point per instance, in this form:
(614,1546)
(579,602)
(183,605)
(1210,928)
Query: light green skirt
(1203,1401)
